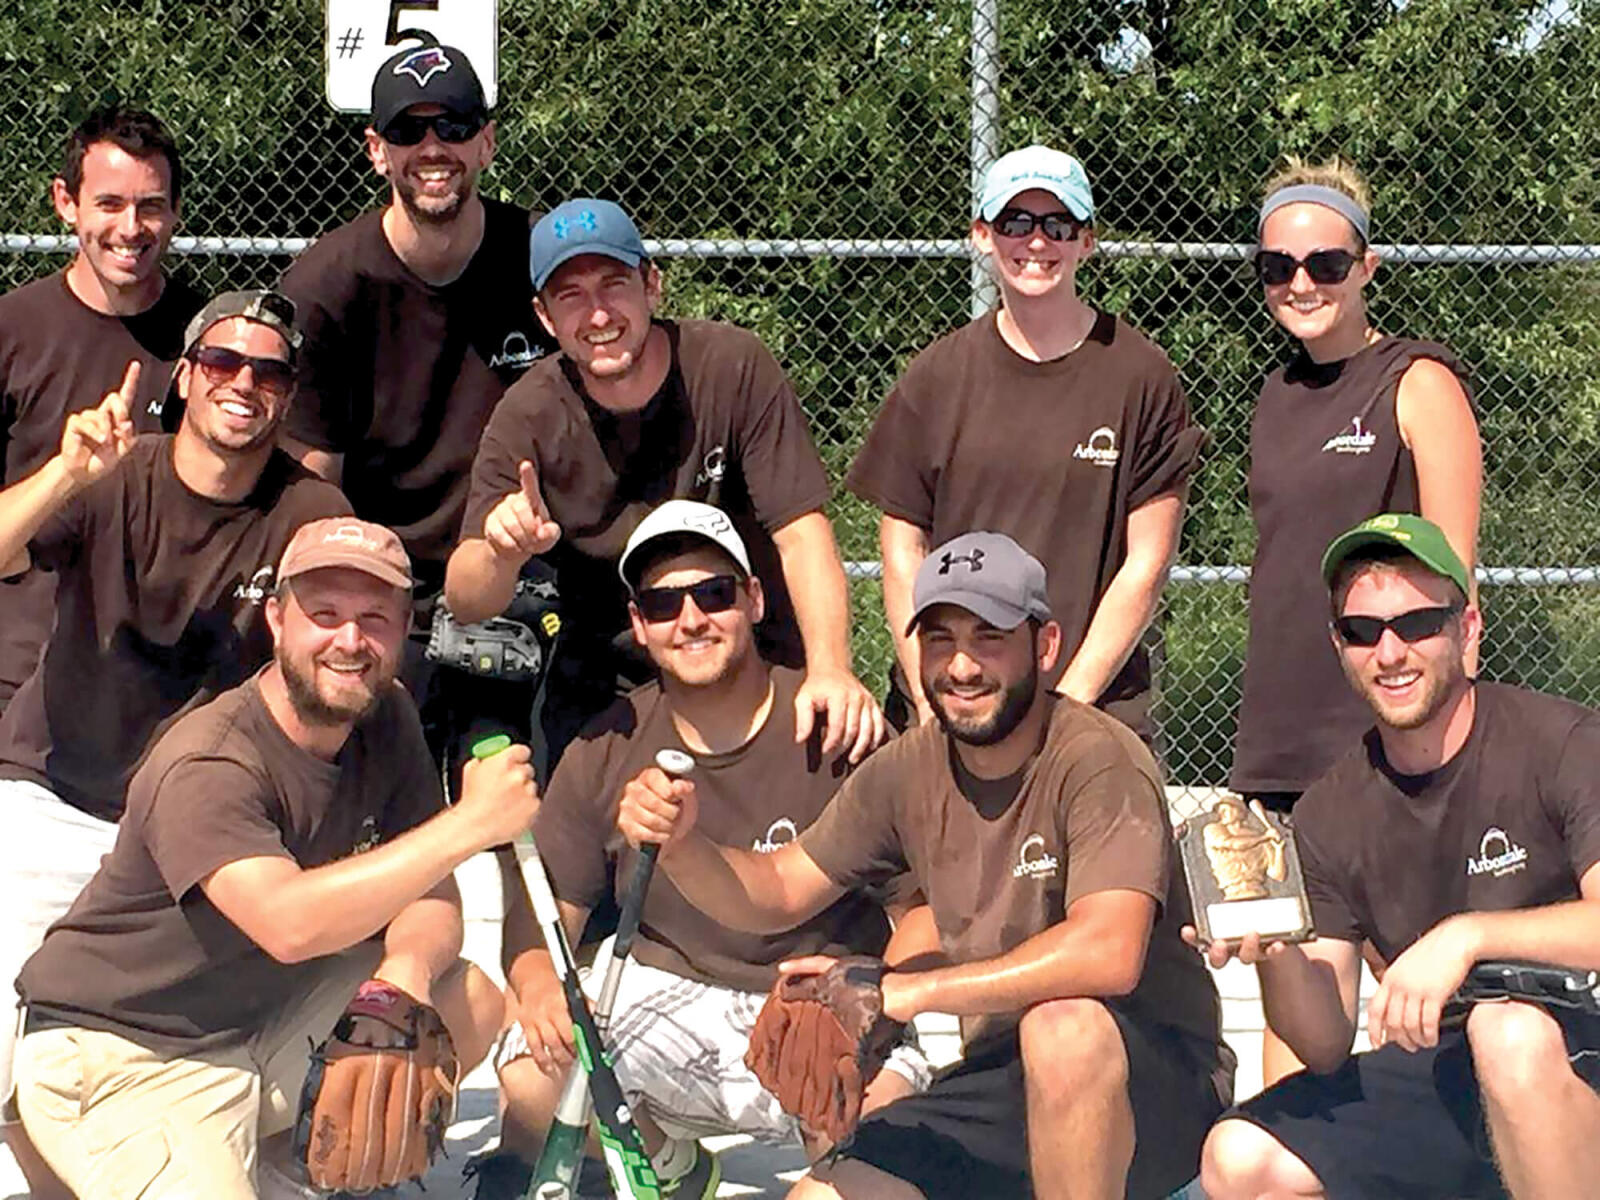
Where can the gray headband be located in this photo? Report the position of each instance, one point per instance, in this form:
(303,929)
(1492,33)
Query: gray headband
(1315,193)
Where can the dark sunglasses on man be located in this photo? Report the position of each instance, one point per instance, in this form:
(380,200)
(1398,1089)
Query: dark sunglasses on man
(1020,223)
(408,129)
(221,364)
(714,595)
(1409,627)
(1275,268)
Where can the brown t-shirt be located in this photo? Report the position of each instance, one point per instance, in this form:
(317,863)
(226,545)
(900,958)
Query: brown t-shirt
(159,601)
(1055,454)
(1325,454)
(58,356)
(142,952)
(999,866)
(724,428)
(760,796)
(399,376)
(1512,821)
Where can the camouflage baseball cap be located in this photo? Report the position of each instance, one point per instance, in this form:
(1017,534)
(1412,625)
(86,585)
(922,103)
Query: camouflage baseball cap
(272,309)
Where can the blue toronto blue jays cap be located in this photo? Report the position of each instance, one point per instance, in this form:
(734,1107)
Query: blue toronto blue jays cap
(582,226)
(987,574)
(1036,167)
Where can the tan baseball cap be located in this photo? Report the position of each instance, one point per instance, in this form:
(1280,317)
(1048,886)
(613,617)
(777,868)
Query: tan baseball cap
(347,542)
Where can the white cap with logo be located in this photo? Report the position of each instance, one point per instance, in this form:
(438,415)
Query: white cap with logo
(684,518)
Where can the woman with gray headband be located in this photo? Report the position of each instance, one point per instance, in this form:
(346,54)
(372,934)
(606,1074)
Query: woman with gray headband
(1356,423)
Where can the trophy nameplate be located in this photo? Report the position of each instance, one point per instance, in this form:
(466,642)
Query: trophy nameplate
(1243,874)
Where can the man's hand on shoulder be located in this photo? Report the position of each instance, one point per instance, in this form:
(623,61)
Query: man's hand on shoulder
(519,526)
(1405,1009)
(854,721)
(95,440)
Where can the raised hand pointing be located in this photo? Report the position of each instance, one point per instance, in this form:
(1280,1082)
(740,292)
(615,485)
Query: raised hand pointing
(519,526)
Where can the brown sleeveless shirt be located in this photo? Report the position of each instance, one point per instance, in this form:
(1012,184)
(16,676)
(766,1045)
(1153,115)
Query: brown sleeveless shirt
(1325,454)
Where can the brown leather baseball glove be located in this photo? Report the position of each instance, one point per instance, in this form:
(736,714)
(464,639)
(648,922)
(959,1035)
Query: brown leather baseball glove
(820,1039)
(380,1093)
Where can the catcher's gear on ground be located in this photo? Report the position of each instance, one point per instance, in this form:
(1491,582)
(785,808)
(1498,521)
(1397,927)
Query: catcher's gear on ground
(819,1041)
(379,1095)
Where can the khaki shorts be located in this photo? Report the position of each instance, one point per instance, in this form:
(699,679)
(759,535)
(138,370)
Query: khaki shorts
(117,1121)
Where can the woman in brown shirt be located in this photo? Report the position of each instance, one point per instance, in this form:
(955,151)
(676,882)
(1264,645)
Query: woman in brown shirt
(1356,423)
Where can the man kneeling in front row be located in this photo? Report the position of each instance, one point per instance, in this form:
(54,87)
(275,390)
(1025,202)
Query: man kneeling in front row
(270,838)
(1464,828)
(1037,830)
(686,1005)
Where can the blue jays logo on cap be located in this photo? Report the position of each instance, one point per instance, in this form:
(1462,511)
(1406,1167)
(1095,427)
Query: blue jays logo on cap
(422,65)
(586,220)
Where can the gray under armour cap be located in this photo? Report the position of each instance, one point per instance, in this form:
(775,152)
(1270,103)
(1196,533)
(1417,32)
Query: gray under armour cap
(987,574)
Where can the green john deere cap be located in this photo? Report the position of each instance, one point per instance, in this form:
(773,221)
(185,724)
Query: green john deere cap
(1418,537)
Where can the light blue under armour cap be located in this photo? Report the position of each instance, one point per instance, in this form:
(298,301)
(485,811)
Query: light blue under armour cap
(582,226)
(1036,167)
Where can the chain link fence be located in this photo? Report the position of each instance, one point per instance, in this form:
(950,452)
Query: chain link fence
(807,169)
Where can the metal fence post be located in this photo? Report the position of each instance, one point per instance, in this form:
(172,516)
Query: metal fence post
(985,124)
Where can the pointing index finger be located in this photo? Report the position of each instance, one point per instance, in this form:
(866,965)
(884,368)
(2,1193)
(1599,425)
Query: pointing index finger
(120,402)
(529,476)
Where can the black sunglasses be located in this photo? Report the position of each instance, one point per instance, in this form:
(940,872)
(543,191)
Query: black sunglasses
(1274,267)
(408,129)
(1019,222)
(713,595)
(1409,627)
(219,363)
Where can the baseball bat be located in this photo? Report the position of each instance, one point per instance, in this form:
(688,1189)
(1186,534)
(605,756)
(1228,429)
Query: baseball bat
(632,1176)
(556,1175)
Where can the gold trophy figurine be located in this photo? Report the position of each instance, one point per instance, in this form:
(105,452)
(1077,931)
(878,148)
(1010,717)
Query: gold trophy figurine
(1242,857)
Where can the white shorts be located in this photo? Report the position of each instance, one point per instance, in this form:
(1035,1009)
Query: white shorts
(679,1045)
(50,850)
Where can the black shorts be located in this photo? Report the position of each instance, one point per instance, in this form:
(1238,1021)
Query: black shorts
(966,1136)
(1394,1123)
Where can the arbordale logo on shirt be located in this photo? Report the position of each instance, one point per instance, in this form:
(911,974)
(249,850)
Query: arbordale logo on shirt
(713,467)
(1100,449)
(256,588)
(779,834)
(516,351)
(1033,862)
(1498,855)
(1357,441)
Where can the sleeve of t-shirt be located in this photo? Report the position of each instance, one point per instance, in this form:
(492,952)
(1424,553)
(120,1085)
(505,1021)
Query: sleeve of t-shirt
(1332,914)
(1168,442)
(1116,836)
(419,793)
(574,825)
(205,813)
(1577,795)
(891,470)
(501,450)
(782,469)
(56,543)
(854,840)
(321,415)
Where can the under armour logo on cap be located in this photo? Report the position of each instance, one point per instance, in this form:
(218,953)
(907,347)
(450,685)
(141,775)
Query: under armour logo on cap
(1003,584)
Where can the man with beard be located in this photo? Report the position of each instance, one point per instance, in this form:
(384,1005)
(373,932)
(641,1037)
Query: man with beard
(682,1020)
(66,339)
(1464,828)
(416,318)
(1037,828)
(635,410)
(281,844)
(163,548)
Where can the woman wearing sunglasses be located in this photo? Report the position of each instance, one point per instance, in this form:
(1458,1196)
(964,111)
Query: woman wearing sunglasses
(1356,423)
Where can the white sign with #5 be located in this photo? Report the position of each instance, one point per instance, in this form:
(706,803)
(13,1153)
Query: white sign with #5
(362,34)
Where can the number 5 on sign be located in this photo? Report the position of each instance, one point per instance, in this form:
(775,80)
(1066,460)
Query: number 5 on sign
(362,33)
